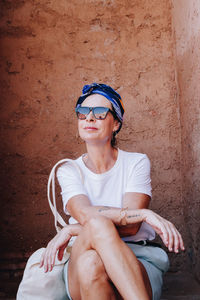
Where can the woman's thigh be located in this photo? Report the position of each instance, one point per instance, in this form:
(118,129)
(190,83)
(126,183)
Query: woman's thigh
(80,246)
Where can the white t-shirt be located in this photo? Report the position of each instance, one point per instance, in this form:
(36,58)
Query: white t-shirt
(130,173)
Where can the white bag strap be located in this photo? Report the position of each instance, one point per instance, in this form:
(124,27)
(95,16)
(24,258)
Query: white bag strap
(51,185)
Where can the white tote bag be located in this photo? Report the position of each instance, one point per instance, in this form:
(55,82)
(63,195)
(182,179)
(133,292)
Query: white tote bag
(36,284)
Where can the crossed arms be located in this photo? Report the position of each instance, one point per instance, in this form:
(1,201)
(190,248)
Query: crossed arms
(127,221)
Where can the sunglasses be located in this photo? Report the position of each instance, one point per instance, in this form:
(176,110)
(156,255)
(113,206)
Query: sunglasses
(98,112)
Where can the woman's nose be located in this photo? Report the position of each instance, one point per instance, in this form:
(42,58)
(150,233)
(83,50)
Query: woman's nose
(90,117)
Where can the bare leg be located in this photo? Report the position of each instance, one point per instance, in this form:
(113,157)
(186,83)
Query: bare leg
(114,261)
(93,279)
(86,273)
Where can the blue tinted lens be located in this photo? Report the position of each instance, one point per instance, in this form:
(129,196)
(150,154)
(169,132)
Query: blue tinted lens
(99,112)
(82,112)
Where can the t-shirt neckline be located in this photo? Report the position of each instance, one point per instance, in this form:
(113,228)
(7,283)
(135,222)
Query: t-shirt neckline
(101,175)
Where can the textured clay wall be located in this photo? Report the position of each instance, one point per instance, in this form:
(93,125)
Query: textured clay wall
(49,49)
(186,19)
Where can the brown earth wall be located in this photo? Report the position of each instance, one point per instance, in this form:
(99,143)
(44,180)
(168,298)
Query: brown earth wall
(49,49)
(186,20)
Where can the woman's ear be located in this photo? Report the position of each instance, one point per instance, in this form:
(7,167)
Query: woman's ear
(116,125)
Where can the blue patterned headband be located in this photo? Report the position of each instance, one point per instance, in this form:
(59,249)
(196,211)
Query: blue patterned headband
(106,91)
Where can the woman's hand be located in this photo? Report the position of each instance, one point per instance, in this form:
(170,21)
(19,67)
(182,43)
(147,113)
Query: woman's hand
(57,244)
(166,230)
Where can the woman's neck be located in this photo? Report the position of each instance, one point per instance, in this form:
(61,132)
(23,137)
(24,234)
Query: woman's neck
(100,159)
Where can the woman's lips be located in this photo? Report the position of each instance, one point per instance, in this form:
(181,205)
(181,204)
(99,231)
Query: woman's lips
(90,128)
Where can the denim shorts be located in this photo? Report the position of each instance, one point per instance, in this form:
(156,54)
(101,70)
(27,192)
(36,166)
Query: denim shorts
(155,261)
(65,277)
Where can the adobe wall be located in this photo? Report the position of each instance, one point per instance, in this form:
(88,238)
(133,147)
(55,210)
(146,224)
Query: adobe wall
(49,49)
(186,19)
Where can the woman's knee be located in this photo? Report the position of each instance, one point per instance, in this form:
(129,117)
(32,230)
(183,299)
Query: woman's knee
(101,230)
(90,268)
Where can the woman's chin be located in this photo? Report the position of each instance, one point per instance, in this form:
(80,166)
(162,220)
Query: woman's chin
(91,140)
(94,141)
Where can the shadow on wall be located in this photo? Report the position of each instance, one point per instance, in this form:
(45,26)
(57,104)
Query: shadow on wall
(186,21)
(188,78)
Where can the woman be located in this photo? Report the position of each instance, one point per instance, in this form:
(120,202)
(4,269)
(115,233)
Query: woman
(112,256)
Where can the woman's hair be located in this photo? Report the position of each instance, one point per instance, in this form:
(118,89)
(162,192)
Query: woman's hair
(113,139)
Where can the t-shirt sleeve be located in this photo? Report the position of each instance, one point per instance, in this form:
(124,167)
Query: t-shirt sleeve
(70,183)
(139,180)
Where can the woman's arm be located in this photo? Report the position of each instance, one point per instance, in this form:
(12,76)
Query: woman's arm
(81,209)
(167,231)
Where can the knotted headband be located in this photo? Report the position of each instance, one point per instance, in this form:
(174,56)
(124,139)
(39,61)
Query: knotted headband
(106,91)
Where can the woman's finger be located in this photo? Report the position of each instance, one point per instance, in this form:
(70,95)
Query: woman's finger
(53,253)
(171,235)
(176,239)
(180,240)
(47,262)
(42,259)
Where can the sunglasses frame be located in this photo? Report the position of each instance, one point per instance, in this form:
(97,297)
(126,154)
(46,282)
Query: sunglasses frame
(107,109)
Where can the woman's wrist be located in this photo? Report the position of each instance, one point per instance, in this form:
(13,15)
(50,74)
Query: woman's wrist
(74,229)
(135,216)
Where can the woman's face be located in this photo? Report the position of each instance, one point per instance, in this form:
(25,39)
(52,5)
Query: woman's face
(96,131)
